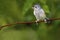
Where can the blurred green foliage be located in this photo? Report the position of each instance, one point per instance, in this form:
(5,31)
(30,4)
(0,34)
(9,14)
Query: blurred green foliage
(12,11)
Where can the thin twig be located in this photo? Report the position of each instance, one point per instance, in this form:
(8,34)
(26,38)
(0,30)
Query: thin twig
(52,19)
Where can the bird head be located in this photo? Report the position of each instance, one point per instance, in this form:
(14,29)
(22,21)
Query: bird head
(36,6)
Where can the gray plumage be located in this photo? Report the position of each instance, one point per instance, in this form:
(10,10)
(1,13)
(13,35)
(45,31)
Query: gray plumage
(39,13)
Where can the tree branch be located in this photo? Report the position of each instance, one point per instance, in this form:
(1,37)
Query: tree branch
(52,19)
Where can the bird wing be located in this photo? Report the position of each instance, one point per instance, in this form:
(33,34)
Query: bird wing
(42,14)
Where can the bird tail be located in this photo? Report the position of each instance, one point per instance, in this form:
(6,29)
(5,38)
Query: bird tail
(47,20)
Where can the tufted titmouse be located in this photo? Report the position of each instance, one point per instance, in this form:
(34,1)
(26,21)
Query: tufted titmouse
(40,14)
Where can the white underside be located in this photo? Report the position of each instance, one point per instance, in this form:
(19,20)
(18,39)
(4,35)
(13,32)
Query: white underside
(39,14)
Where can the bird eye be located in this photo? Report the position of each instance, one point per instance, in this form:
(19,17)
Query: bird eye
(35,7)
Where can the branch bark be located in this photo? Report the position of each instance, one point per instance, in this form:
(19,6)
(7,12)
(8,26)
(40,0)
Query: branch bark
(52,19)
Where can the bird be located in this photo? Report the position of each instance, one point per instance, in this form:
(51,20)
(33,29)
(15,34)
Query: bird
(39,13)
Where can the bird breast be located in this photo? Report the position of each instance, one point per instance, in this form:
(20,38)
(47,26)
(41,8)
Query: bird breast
(40,13)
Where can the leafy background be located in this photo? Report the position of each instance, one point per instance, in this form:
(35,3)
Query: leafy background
(12,11)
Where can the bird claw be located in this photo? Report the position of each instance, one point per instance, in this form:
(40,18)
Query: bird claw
(36,22)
